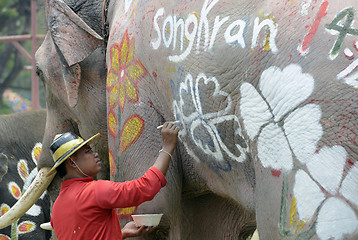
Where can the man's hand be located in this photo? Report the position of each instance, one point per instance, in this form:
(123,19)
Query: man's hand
(131,230)
(170,139)
(169,136)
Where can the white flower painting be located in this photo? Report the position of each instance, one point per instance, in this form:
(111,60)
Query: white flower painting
(194,118)
(287,130)
(20,227)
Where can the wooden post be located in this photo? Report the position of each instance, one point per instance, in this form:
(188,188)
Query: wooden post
(34,78)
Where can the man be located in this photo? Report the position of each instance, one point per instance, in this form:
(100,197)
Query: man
(85,208)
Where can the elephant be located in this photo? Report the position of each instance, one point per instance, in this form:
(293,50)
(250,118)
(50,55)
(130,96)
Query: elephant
(75,96)
(20,147)
(266,108)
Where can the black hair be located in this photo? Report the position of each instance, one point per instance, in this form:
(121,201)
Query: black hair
(61,169)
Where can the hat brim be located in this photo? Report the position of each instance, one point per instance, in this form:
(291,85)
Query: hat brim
(71,151)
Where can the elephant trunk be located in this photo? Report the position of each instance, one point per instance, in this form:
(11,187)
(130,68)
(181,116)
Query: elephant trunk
(28,199)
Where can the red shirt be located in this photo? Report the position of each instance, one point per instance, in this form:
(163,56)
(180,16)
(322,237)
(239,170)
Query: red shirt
(85,207)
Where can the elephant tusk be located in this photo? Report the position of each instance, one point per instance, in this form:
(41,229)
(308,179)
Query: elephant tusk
(255,236)
(28,199)
(46,226)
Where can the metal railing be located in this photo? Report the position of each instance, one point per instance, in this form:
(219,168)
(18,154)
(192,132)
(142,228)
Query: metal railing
(35,103)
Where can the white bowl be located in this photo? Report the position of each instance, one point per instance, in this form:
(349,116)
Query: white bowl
(147,219)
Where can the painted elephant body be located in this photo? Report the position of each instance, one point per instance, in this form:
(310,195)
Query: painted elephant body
(20,148)
(265,93)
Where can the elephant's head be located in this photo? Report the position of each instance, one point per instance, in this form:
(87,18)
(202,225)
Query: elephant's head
(71,64)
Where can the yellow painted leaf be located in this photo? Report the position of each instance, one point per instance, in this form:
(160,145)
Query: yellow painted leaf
(131,90)
(113,96)
(124,50)
(295,223)
(135,71)
(36,152)
(14,190)
(26,226)
(125,211)
(111,79)
(22,169)
(4,208)
(130,52)
(4,237)
(112,164)
(112,124)
(132,129)
(115,57)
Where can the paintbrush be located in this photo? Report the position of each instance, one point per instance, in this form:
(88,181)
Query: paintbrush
(177,121)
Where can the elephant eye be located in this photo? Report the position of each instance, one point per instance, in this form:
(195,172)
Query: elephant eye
(40,75)
(39,72)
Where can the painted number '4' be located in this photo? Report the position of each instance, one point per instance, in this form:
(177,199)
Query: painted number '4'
(343,30)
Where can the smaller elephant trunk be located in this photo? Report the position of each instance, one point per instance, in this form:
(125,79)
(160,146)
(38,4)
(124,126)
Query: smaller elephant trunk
(28,199)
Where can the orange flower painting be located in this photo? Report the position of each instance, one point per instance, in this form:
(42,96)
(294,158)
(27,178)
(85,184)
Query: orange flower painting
(125,71)
(124,74)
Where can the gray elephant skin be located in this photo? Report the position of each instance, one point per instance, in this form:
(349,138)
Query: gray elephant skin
(20,147)
(264,92)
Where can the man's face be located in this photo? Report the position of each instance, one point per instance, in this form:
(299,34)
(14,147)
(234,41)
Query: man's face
(87,160)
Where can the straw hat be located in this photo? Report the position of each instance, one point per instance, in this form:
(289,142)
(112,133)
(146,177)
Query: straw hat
(66,144)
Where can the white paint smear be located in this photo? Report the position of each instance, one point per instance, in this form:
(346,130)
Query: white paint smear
(34,211)
(348,69)
(349,187)
(273,149)
(327,166)
(267,23)
(204,24)
(127,4)
(352,80)
(284,90)
(156,43)
(348,53)
(308,195)
(305,6)
(190,36)
(335,220)
(239,36)
(254,110)
(303,130)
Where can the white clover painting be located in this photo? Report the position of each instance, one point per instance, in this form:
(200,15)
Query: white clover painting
(287,131)
(189,109)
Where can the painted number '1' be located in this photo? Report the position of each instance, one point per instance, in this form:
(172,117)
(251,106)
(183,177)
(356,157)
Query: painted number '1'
(342,29)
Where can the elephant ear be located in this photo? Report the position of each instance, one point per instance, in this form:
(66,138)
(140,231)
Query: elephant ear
(74,41)
(3,165)
(72,77)
(73,37)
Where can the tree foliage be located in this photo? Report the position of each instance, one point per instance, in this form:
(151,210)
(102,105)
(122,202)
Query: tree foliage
(15,19)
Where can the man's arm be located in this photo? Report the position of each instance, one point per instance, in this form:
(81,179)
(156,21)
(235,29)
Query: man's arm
(170,139)
(132,193)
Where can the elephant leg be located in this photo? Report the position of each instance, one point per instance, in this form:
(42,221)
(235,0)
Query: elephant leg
(231,220)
